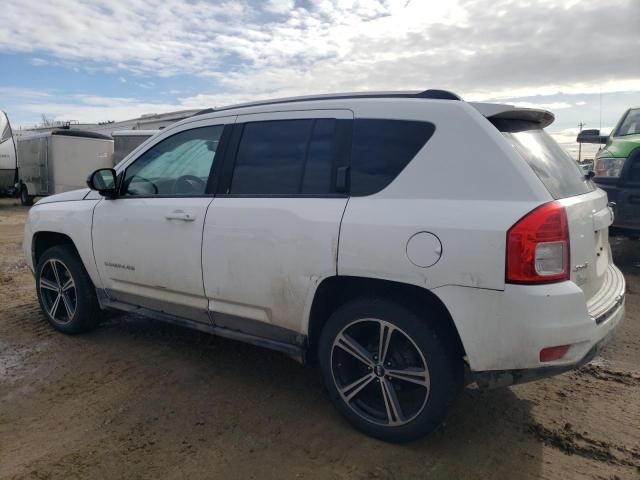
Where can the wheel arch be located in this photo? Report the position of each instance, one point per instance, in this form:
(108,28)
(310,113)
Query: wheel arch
(335,291)
(44,240)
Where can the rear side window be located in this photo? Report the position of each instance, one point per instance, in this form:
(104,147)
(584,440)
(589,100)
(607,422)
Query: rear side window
(554,167)
(382,149)
(285,157)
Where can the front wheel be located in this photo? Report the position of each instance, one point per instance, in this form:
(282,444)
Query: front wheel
(65,291)
(387,370)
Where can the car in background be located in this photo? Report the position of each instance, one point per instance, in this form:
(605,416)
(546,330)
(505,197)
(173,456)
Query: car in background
(617,170)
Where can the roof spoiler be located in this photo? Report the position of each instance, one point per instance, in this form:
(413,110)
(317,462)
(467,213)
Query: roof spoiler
(500,113)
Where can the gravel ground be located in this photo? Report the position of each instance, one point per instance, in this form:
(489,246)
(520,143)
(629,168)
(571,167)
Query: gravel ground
(139,399)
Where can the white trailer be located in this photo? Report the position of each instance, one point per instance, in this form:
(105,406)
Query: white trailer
(8,156)
(59,161)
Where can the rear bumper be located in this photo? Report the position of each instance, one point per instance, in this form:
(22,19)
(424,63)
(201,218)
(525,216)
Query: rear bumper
(503,332)
(504,378)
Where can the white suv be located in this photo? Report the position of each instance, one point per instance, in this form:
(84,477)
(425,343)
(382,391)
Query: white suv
(392,237)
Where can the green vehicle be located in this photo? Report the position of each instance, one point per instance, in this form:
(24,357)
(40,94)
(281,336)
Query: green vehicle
(617,170)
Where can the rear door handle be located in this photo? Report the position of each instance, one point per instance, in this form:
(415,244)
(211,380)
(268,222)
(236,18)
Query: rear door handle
(180,215)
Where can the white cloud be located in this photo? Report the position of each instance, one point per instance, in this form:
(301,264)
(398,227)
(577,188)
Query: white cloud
(38,62)
(485,49)
(279,6)
(334,45)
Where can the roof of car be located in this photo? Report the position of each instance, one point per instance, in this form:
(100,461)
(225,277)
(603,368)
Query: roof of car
(489,110)
(433,94)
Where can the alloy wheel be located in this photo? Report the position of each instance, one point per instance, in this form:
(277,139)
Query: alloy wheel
(58,291)
(380,372)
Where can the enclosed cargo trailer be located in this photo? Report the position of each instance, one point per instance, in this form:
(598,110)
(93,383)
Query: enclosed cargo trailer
(59,161)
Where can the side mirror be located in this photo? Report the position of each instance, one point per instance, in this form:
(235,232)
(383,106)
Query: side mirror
(591,136)
(104,181)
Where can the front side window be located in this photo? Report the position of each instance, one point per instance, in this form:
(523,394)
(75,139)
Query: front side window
(178,165)
(285,157)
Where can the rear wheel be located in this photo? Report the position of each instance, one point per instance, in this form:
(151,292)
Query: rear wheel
(387,371)
(65,291)
(25,199)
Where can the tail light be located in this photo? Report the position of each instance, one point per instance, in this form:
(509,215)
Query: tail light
(538,246)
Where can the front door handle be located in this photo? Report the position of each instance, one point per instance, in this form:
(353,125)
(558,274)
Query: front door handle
(180,215)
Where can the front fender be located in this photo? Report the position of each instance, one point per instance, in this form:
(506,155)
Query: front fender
(73,219)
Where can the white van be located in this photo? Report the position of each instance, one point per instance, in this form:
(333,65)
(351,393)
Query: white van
(394,238)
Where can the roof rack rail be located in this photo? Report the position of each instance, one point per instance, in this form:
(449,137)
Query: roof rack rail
(432,94)
(438,94)
(202,112)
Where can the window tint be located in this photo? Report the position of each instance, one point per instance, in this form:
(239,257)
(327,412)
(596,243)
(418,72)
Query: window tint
(381,149)
(317,177)
(178,165)
(556,169)
(285,157)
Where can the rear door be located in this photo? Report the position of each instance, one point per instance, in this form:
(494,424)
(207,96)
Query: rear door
(588,213)
(271,234)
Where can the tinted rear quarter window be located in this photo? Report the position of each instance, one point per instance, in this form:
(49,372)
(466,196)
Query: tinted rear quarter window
(558,171)
(382,149)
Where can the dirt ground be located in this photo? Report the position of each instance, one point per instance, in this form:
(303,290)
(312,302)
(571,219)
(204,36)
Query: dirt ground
(140,399)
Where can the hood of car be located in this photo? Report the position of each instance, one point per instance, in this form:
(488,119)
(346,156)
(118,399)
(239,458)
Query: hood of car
(65,196)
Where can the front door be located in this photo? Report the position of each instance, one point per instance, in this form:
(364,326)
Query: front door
(148,241)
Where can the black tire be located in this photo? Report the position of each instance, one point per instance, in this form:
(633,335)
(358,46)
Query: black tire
(444,369)
(82,295)
(25,199)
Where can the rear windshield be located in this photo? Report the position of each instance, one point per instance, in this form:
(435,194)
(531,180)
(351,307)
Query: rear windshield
(558,171)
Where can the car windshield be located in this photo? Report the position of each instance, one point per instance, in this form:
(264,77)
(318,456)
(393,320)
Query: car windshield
(630,125)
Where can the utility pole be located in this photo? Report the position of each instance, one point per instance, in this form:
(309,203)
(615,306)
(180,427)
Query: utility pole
(581,124)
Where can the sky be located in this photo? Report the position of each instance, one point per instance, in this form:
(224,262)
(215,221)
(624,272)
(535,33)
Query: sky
(98,60)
